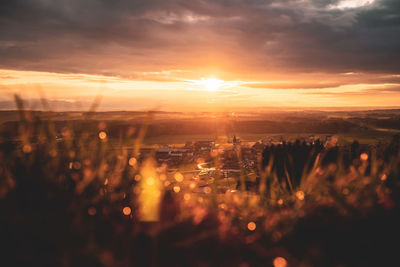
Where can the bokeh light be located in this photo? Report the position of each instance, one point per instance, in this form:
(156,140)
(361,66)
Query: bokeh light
(126,210)
(102,135)
(300,195)
(207,190)
(364,156)
(178,177)
(186,196)
(27,149)
(280,262)
(132,161)
(92,211)
(177,189)
(251,226)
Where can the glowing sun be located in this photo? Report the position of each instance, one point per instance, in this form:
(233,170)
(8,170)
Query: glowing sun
(211,84)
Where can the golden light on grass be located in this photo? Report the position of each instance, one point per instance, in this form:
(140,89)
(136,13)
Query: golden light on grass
(280,262)
(102,135)
(150,194)
(251,226)
(300,195)
(364,156)
(177,189)
(150,181)
(126,210)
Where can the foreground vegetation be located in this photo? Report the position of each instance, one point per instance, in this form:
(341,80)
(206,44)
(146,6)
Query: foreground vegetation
(78,200)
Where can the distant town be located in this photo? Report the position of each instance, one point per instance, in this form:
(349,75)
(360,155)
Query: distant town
(209,159)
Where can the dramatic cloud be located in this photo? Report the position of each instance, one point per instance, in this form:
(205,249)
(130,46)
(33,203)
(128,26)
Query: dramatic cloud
(150,53)
(246,37)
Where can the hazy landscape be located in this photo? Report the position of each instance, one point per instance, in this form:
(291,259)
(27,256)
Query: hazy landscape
(199,133)
(268,188)
(366,126)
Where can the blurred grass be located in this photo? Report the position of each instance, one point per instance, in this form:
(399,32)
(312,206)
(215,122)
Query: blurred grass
(64,202)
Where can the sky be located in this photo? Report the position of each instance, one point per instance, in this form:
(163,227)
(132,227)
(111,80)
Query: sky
(200,55)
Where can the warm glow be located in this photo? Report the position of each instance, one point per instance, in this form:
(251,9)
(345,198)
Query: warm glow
(211,84)
(150,194)
(178,177)
(251,226)
(181,93)
(150,181)
(280,262)
(27,149)
(192,185)
(364,156)
(177,189)
(132,161)
(126,211)
(300,195)
(102,135)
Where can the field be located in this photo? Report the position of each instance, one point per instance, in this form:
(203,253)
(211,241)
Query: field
(78,193)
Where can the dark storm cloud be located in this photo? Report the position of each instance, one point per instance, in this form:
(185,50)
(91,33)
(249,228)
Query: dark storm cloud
(120,37)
